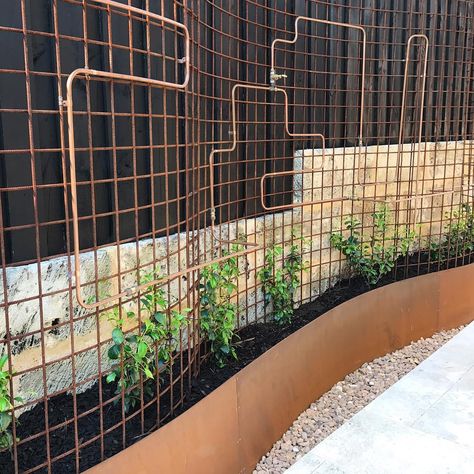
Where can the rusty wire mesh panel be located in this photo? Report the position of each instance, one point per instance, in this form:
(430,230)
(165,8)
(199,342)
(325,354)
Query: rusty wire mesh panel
(145,198)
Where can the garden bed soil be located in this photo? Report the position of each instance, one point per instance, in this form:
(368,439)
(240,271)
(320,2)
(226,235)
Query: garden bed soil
(255,339)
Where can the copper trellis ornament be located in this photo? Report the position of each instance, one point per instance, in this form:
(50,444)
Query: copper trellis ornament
(69,104)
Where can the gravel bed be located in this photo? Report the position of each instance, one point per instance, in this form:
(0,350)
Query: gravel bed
(345,399)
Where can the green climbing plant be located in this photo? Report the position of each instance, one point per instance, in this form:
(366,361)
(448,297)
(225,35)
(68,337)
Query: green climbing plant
(373,256)
(279,284)
(218,311)
(458,237)
(6,405)
(141,352)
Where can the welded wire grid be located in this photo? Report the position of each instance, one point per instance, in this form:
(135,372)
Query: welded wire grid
(143,187)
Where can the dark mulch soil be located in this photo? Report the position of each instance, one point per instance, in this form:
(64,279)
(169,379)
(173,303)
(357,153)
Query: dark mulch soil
(254,341)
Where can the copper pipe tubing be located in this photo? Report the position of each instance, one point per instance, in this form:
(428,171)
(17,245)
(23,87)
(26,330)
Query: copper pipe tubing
(403,108)
(416,196)
(234,145)
(69,103)
(402,115)
(155,16)
(419,197)
(274,77)
(398,199)
(295,204)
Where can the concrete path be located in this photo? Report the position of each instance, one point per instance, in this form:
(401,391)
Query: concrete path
(424,424)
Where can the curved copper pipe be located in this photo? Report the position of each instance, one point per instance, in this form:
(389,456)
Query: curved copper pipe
(403,108)
(274,77)
(75,214)
(402,114)
(398,199)
(416,197)
(155,16)
(234,145)
(69,104)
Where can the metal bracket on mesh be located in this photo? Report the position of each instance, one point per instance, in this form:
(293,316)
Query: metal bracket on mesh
(69,104)
(275,77)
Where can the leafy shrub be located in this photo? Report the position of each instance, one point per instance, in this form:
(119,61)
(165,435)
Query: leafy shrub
(142,350)
(373,256)
(6,405)
(279,285)
(218,313)
(458,238)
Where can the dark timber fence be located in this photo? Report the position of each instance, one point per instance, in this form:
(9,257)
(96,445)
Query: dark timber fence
(231,42)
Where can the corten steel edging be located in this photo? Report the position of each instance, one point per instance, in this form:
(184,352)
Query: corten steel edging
(230,429)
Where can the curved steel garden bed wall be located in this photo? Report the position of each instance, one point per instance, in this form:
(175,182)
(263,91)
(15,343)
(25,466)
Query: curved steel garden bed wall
(235,425)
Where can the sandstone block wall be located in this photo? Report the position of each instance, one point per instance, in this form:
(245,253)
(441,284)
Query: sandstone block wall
(441,169)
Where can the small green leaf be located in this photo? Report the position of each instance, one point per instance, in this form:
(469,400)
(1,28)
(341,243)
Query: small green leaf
(160,318)
(6,440)
(142,349)
(5,421)
(4,404)
(117,336)
(148,373)
(114,352)
(111,377)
